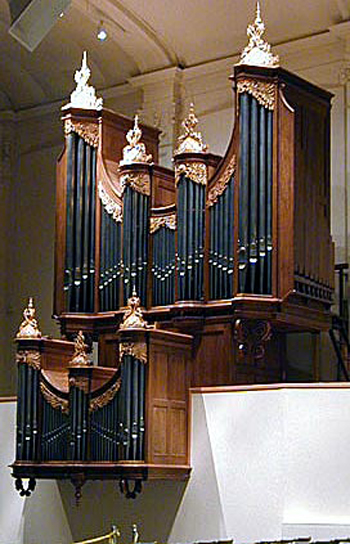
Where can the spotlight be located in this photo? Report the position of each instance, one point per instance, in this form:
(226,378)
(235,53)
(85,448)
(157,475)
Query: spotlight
(101,33)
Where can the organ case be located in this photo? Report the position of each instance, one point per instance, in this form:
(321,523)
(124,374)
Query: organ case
(191,277)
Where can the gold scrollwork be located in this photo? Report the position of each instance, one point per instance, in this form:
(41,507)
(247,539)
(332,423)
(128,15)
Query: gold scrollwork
(87,131)
(111,206)
(263,92)
(106,397)
(195,171)
(138,182)
(221,185)
(29,357)
(136,349)
(54,400)
(168,221)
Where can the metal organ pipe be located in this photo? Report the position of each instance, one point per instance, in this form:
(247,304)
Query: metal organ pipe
(255,196)
(221,231)
(80,225)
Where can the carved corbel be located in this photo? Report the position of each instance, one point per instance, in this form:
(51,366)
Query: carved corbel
(251,336)
(127,491)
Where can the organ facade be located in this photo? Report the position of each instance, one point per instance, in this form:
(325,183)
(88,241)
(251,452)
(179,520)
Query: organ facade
(178,278)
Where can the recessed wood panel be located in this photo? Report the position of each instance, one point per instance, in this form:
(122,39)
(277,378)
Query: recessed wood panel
(159,373)
(177,386)
(159,442)
(178,436)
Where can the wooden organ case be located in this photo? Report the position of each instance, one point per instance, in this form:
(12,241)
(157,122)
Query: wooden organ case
(183,278)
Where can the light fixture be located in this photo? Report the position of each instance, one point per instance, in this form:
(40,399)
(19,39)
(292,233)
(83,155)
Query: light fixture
(101,32)
(32,20)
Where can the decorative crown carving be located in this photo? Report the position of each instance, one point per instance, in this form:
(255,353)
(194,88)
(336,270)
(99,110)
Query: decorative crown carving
(29,327)
(135,152)
(80,357)
(191,141)
(84,96)
(258,51)
(133,318)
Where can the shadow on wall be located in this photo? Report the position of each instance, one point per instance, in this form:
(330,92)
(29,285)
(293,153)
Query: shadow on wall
(102,505)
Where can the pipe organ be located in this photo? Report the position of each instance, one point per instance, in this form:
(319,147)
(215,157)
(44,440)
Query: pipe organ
(183,278)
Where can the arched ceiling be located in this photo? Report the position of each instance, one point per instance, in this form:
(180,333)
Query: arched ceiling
(143,36)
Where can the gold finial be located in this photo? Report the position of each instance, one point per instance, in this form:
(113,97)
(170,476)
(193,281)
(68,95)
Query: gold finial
(136,150)
(29,327)
(190,141)
(135,534)
(258,51)
(133,318)
(80,357)
(84,96)
(114,535)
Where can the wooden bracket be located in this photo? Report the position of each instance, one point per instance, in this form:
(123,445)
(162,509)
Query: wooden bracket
(25,492)
(125,488)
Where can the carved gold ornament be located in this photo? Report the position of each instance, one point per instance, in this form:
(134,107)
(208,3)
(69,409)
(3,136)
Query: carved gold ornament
(80,357)
(106,397)
(84,96)
(54,400)
(135,152)
(258,51)
(111,206)
(168,221)
(191,141)
(29,327)
(264,93)
(135,349)
(222,183)
(87,131)
(195,171)
(29,357)
(138,182)
(133,318)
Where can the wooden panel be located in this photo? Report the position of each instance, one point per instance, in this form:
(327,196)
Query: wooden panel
(178,431)
(60,228)
(115,128)
(56,354)
(213,363)
(177,379)
(159,441)
(163,187)
(285,198)
(167,394)
(159,374)
(312,244)
(108,352)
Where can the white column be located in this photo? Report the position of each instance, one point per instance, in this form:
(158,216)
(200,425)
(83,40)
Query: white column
(7,370)
(162,107)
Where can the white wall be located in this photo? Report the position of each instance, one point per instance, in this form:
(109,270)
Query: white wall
(267,464)
(39,519)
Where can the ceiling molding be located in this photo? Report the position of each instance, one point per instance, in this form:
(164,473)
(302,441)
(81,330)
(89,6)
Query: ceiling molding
(136,37)
(344,9)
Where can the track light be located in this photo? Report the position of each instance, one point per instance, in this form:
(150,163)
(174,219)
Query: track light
(101,32)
